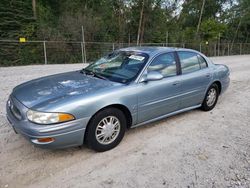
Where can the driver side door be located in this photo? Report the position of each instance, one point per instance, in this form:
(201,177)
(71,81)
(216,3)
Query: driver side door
(159,97)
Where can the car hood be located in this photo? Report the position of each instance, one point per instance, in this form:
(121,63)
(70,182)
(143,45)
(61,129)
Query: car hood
(50,88)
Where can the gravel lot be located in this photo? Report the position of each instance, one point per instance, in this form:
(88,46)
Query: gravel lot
(193,149)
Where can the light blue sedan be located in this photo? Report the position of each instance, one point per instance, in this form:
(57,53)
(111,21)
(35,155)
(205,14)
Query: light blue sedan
(127,88)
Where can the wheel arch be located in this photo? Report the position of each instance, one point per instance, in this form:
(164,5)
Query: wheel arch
(121,107)
(218,83)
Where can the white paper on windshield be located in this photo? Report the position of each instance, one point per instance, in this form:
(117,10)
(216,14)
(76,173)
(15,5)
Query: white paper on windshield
(136,57)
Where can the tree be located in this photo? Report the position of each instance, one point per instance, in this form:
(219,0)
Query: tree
(16,20)
(120,21)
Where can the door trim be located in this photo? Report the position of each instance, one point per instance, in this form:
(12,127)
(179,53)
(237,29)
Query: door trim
(167,115)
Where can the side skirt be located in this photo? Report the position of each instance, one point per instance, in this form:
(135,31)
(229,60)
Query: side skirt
(167,115)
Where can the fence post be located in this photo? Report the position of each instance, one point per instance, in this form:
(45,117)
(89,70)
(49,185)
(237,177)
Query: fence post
(45,53)
(84,49)
(113,46)
(167,38)
(214,49)
(228,50)
(240,48)
(200,47)
(218,49)
(82,52)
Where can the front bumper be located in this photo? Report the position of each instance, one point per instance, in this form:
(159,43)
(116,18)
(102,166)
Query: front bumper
(66,134)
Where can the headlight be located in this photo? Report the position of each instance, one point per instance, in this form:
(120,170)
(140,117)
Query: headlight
(47,117)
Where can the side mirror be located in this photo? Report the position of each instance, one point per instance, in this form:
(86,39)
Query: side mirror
(151,76)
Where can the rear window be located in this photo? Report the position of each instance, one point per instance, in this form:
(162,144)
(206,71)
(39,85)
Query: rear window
(189,62)
(203,63)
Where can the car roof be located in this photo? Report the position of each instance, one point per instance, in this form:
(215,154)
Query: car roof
(152,50)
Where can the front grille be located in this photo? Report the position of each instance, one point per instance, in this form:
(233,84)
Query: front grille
(14,110)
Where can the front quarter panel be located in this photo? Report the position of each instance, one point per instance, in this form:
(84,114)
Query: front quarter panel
(86,106)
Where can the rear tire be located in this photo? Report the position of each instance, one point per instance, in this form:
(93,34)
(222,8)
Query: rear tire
(106,129)
(211,98)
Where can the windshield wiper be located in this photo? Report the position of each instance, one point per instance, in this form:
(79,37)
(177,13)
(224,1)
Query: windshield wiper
(92,73)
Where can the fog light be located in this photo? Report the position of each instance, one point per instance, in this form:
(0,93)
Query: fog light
(43,140)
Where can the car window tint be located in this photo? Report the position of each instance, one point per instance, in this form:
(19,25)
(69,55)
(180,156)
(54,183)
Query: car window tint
(189,62)
(203,62)
(165,64)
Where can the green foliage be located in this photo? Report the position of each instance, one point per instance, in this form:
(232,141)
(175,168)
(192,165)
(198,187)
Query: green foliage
(16,20)
(212,29)
(115,21)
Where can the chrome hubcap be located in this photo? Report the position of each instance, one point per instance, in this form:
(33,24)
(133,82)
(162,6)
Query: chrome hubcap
(107,130)
(211,97)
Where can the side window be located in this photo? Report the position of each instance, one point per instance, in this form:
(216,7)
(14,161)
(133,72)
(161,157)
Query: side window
(189,62)
(202,61)
(165,64)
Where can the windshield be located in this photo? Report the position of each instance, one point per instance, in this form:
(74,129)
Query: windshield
(119,66)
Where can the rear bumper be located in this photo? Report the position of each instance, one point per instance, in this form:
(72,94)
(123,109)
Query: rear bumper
(65,134)
(225,84)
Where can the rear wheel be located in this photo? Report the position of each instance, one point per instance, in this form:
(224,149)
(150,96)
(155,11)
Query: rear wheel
(210,98)
(106,129)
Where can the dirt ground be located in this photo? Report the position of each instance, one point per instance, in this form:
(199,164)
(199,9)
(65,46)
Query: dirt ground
(193,149)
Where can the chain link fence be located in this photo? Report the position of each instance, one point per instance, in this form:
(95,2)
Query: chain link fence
(14,53)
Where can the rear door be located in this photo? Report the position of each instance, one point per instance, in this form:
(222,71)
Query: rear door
(160,97)
(195,77)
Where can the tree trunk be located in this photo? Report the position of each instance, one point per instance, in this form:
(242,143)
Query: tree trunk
(247,38)
(142,29)
(34,8)
(119,23)
(140,23)
(235,35)
(200,18)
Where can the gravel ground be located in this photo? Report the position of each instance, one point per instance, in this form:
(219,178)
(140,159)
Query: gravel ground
(193,149)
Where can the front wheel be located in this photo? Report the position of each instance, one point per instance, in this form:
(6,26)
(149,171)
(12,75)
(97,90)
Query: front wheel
(106,129)
(210,98)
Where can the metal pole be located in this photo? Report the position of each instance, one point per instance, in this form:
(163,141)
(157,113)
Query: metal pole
(84,49)
(167,38)
(200,47)
(45,54)
(218,49)
(82,52)
(219,45)
(214,49)
(129,39)
(240,48)
(228,50)
(113,46)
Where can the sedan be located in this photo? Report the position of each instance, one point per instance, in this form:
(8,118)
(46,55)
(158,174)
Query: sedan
(126,88)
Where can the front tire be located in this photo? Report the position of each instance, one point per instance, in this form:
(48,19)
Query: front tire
(106,129)
(210,98)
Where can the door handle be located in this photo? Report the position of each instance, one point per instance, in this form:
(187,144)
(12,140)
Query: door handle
(176,83)
(208,75)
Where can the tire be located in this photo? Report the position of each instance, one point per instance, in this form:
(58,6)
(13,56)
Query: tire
(209,104)
(100,126)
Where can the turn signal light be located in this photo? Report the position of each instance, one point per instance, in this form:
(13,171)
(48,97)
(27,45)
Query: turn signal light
(45,139)
(65,117)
